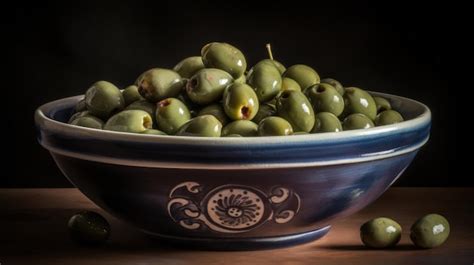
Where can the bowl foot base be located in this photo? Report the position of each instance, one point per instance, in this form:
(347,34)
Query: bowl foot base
(235,244)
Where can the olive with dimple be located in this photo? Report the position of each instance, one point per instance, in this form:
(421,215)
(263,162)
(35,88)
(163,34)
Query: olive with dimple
(144,105)
(88,121)
(225,57)
(359,101)
(325,98)
(304,75)
(289,84)
(296,109)
(158,83)
(274,126)
(189,66)
(202,126)
(382,104)
(388,117)
(264,110)
(326,122)
(241,127)
(171,114)
(207,85)
(266,80)
(336,84)
(134,121)
(153,132)
(240,102)
(357,121)
(281,68)
(88,227)
(217,110)
(104,99)
(130,94)
(430,231)
(380,232)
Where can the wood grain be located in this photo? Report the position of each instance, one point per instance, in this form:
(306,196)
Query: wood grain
(33,231)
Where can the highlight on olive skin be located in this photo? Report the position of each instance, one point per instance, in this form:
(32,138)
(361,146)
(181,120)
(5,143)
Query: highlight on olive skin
(214,93)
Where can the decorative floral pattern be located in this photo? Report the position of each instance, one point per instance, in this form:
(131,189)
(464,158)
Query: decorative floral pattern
(230,208)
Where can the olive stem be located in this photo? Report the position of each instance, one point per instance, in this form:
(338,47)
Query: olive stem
(269,49)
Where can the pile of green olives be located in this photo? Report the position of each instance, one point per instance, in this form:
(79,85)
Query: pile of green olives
(215,95)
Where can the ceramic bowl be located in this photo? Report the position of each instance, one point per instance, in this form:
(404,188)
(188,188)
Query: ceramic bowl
(233,193)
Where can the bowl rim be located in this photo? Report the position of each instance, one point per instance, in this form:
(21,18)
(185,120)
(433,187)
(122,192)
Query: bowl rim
(43,121)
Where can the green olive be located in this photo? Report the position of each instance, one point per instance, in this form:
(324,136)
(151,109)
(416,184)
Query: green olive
(134,121)
(281,68)
(88,227)
(225,57)
(325,98)
(388,117)
(153,131)
(208,85)
(242,80)
(189,66)
(217,110)
(382,104)
(193,107)
(357,121)
(274,126)
(380,232)
(430,231)
(103,99)
(130,94)
(240,102)
(144,105)
(289,84)
(241,127)
(359,101)
(326,122)
(295,108)
(158,83)
(266,80)
(336,84)
(304,75)
(202,126)
(79,114)
(88,121)
(264,110)
(171,114)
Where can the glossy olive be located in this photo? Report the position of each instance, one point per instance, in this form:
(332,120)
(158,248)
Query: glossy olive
(153,132)
(225,57)
(88,121)
(189,66)
(336,84)
(104,99)
(240,102)
(134,121)
(289,84)
(382,104)
(207,85)
(217,110)
(264,110)
(380,232)
(296,109)
(325,98)
(357,121)
(359,101)
(326,122)
(243,128)
(171,114)
(430,231)
(144,105)
(88,227)
(202,126)
(130,94)
(266,80)
(281,68)
(80,106)
(158,83)
(304,75)
(388,117)
(274,126)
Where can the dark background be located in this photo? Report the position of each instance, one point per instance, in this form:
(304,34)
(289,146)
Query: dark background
(59,49)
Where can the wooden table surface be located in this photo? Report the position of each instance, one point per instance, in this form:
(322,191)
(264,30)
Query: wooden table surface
(33,231)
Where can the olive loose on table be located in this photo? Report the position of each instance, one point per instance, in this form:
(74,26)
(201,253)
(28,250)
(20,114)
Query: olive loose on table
(88,227)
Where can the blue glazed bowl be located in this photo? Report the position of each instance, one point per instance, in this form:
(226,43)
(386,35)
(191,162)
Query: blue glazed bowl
(233,193)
